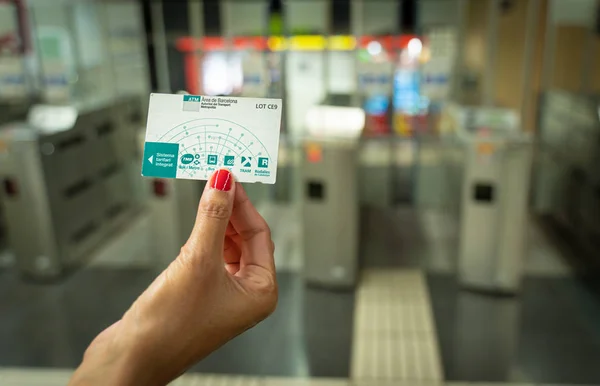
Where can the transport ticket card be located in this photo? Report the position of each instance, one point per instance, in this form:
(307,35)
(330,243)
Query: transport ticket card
(191,136)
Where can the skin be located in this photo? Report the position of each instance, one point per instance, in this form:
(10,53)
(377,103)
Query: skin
(221,284)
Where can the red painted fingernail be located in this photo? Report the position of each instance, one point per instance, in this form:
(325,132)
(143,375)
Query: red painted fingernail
(221,180)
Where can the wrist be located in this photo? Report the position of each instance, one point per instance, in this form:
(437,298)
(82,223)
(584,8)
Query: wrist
(111,360)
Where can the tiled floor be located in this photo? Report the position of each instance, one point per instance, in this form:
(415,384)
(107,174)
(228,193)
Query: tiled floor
(310,334)
(50,325)
(394,333)
(41,377)
(551,333)
(548,334)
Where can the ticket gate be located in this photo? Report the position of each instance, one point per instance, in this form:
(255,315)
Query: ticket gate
(330,197)
(494,211)
(330,212)
(11,112)
(65,192)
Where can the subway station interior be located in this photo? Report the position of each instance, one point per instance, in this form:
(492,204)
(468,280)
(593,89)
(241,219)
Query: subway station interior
(436,214)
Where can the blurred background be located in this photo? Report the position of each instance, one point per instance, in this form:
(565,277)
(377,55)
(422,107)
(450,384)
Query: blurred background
(437,205)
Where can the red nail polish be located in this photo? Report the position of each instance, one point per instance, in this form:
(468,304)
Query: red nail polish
(221,180)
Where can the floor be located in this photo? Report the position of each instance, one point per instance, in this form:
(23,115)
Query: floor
(408,299)
(309,335)
(550,333)
(394,331)
(49,377)
(42,325)
(50,325)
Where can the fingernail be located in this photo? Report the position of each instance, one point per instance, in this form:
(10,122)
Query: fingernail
(221,180)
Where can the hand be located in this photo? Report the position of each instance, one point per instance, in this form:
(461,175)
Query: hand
(222,283)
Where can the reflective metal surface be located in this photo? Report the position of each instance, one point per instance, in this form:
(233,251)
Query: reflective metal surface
(494,212)
(567,181)
(71,188)
(330,212)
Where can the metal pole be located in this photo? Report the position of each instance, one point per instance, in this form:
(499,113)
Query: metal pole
(490,63)
(226,25)
(196,23)
(549,48)
(358,30)
(196,18)
(285,76)
(460,50)
(327,51)
(589,60)
(530,39)
(81,89)
(159,40)
(102,11)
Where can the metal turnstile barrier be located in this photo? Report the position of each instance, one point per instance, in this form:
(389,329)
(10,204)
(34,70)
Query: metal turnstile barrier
(65,192)
(494,211)
(10,113)
(330,211)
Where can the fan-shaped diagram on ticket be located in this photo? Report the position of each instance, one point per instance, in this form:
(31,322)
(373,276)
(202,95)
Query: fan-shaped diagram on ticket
(212,143)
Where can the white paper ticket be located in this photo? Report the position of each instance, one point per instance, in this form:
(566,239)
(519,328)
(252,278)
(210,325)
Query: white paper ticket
(191,136)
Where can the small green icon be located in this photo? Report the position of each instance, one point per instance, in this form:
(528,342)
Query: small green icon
(229,160)
(263,162)
(212,159)
(246,162)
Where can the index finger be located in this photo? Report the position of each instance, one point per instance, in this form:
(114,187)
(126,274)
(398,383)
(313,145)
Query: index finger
(253,230)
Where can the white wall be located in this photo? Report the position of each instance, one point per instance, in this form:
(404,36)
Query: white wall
(126,45)
(7,19)
(305,88)
(307,15)
(438,12)
(379,16)
(574,12)
(247,18)
(342,72)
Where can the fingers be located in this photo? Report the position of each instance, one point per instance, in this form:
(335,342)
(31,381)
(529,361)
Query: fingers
(232,268)
(213,215)
(231,251)
(254,232)
(231,255)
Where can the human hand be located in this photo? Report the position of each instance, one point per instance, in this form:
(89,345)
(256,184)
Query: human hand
(222,283)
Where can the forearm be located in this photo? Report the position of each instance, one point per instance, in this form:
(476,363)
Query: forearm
(105,367)
(152,345)
(196,304)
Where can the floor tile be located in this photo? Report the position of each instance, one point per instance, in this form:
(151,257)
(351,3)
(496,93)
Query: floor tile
(34,377)
(305,382)
(550,332)
(51,325)
(217,380)
(394,338)
(310,334)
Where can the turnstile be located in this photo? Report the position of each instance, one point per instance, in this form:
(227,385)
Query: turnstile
(330,211)
(494,211)
(65,192)
(10,112)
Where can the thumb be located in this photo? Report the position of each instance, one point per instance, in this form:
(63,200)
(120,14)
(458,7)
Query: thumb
(213,214)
